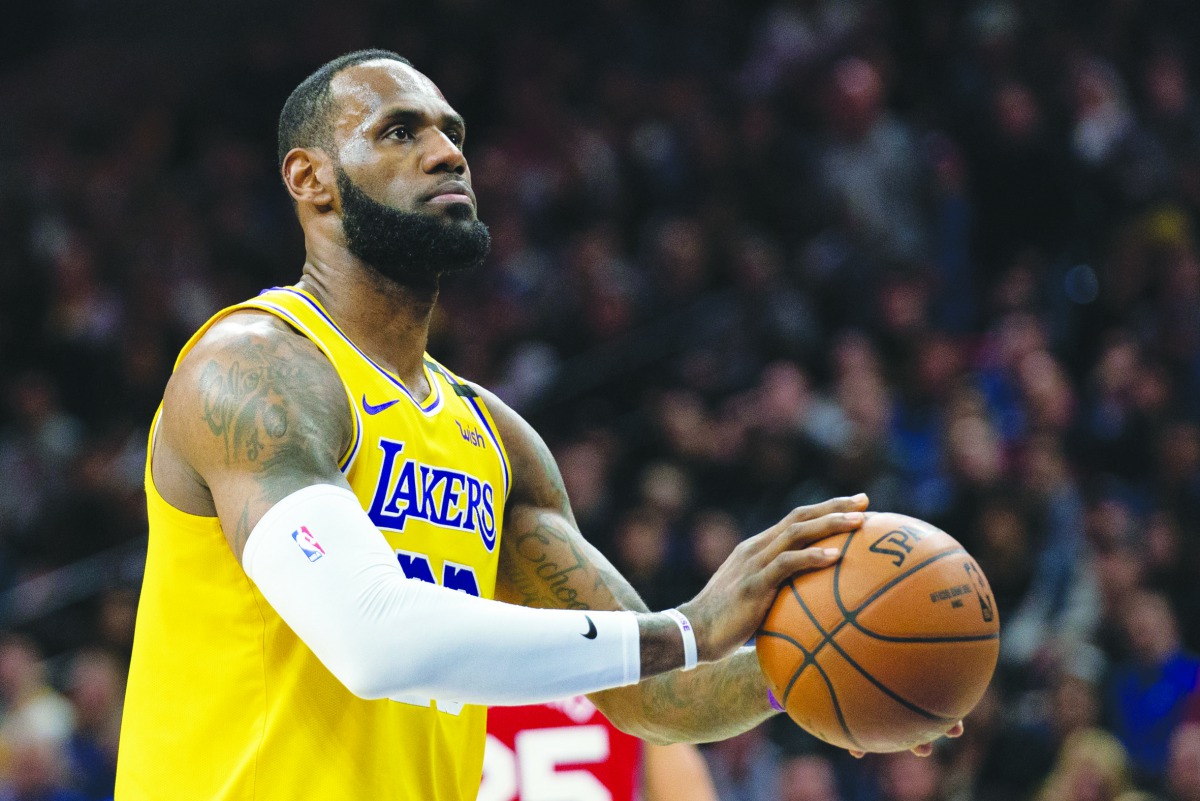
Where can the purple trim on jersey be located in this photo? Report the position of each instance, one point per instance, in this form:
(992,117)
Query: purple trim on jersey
(474,404)
(434,405)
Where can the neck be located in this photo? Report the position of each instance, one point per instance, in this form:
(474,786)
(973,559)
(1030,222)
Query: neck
(387,321)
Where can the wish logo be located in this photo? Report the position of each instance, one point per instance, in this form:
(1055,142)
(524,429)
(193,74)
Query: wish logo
(408,489)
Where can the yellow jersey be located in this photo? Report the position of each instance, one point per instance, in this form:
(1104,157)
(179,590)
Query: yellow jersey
(225,702)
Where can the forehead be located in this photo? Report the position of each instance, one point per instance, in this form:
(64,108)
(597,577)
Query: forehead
(361,92)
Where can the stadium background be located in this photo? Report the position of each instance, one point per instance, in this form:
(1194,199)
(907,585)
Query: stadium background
(747,254)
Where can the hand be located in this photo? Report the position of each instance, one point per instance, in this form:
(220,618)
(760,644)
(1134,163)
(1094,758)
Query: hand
(922,750)
(733,604)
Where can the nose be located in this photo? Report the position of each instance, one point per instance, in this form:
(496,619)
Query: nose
(442,155)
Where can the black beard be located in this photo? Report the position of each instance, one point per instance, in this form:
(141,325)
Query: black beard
(408,247)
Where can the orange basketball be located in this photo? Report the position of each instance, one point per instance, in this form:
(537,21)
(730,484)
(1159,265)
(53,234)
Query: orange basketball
(890,647)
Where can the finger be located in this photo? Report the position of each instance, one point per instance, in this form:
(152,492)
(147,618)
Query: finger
(922,750)
(852,503)
(848,503)
(788,563)
(956,730)
(857,754)
(799,535)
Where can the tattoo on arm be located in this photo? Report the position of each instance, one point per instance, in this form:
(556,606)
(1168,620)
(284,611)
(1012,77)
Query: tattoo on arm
(275,416)
(242,401)
(714,701)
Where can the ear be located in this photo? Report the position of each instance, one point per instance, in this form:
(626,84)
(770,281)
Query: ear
(307,174)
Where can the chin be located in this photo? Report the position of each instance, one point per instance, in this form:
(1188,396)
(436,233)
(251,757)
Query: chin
(464,212)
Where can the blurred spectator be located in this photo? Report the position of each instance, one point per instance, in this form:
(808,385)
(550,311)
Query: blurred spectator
(1183,764)
(1021,178)
(1149,690)
(745,767)
(38,441)
(643,546)
(1092,766)
(869,167)
(38,772)
(807,777)
(95,687)
(29,708)
(1061,603)
(904,777)
(714,534)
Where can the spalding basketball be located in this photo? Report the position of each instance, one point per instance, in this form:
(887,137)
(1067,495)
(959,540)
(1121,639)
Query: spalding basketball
(888,648)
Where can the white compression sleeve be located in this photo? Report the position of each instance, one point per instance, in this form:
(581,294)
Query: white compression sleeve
(329,573)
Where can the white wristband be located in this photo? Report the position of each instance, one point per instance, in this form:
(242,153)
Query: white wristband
(690,657)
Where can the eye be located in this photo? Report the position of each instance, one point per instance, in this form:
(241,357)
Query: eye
(399,132)
(456,137)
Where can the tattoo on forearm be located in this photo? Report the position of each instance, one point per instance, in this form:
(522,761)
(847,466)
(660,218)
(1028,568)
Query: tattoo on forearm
(733,693)
(553,568)
(543,565)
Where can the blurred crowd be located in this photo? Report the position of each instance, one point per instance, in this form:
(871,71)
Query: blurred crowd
(746,255)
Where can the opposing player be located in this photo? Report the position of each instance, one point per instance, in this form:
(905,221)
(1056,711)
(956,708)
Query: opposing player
(568,749)
(332,513)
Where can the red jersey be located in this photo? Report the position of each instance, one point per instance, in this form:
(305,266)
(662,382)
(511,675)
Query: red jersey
(560,751)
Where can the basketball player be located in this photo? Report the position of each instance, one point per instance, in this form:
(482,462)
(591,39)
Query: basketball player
(568,749)
(336,519)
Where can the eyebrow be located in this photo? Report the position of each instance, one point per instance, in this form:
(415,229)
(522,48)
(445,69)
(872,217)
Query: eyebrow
(411,116)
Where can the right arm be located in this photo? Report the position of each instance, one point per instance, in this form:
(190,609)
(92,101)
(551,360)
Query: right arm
(254,413)
(256,419)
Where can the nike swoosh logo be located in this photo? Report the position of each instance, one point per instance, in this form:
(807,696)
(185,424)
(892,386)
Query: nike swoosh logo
(591,632)
(373,409)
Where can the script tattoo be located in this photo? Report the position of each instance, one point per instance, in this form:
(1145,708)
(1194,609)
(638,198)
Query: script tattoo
(244,401)
(547,564)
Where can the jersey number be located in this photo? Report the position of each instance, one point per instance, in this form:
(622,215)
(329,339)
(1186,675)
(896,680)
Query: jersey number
(454,577)
(533,768)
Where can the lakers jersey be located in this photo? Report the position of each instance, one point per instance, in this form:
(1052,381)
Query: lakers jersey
(225,702)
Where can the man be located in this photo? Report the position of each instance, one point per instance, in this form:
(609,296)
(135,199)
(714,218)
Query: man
(309,460)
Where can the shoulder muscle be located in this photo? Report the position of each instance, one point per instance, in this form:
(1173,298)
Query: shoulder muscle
(256,411)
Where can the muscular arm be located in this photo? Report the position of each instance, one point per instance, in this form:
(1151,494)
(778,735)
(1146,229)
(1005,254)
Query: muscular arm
(254,413)
(546,562)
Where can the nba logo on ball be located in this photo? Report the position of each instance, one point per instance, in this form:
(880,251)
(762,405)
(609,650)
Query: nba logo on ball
(308,543)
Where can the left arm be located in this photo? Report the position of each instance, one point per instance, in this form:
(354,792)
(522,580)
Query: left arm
(545,562)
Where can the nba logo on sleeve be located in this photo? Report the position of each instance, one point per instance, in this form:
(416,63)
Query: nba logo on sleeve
(308,543)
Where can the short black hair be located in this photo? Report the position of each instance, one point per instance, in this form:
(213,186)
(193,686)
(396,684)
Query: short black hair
(304,121)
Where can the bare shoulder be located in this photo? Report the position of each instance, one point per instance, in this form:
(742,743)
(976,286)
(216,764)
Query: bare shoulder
(252,374)
(536,479)
(254,402)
